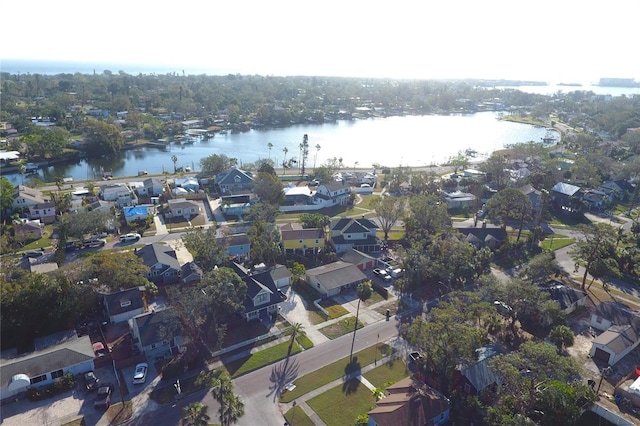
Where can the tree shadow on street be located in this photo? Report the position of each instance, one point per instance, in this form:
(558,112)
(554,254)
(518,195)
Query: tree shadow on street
(351,372)
(281,375)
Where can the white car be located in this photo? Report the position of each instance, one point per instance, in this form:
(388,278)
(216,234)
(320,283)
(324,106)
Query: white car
(129,237)
(381,273)
(140,375)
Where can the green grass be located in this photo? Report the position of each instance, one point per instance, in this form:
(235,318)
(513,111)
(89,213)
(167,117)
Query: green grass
(559,241)
(45,241)
(375,298)
(305,342)
(338,406)
(340,328)
(387,374)
(297,417)
(334,371)
(120,412)
(334,309)
(260,359)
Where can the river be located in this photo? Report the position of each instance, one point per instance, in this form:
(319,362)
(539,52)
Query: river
(392,141)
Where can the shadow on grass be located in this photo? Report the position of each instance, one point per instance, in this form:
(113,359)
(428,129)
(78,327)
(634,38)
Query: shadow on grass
(281,375)
(352,370)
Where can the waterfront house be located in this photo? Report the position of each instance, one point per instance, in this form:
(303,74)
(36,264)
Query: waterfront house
(157,333)
(52,358)
(25,197)
(162,261)
(234,181)
(410,402)
(360,234)
(295,239)
(189,184)
(123,305)
(333,278)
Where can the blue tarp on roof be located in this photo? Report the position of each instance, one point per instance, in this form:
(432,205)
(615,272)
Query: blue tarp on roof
(135,211)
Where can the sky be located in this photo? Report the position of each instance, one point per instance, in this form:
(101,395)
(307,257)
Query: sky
(558,41)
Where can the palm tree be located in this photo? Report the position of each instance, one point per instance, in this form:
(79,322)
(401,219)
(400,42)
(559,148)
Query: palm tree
(270,145)
(364,292)
(23,170)
(232,411)
(297,329)
(59,183)
(174,158)
(285,150)
(195,414)
(315,157)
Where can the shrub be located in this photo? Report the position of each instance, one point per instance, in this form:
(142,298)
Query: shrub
(63,384)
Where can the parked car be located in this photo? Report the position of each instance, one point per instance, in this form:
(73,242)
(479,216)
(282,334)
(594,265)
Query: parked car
(503,308)
(72,246)
(129,237)
(34,253)
(103,398)
(94,242)
(382,274)
(140,375)
(91,382)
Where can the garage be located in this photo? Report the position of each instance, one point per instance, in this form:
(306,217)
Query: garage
(602,355)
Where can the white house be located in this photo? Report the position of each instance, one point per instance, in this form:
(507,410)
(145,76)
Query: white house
(332,194)
(181,207)
(190,184)
(621,326)
(152,187)
(53,357)
(25,197)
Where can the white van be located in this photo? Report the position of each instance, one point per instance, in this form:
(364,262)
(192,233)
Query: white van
(129,237)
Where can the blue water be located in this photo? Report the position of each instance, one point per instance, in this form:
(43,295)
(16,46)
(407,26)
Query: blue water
(393,141)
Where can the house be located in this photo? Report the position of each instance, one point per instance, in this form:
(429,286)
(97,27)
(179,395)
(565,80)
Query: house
(45,212)
(28,230)
(36,267)
(296,239)
(124,305)
(157,333)
(25,197)
(478,377)
(114,192)
(334,277)
(361,260)
(53,357)
(360,234)
(410,403)
(621,326)
(191,273)
(190,184)
(179,207)
(237,246)
(234,180)
(263,294)
(100,205)
(484,237)
(297,195)
(151,187)
(162,261)
(562,194)
(460,200)
(568,298)
(136,213)
(595,199)
(619,189)
(535,197)
(235,205)
(332,194)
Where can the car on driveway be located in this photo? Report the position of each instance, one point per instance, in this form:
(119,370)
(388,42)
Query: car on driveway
(382,274)
(91,381)
(129,237)
(103,398)
(34,253)
(140,374)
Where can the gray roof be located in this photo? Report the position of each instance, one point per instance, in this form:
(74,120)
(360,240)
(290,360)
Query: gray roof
(228,177)
(153,326)
(565,296)
(618,338)
(336,274)
(158,253)
(565,188)
(52,358)
(346,225)
(355,256)
(619,314)
(114,301)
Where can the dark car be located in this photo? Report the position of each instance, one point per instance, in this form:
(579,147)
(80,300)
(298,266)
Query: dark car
(91,381)
(34,253)
(103,398)
(72,246)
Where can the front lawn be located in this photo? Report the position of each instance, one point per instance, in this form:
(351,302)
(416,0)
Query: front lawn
(340,328)
(555,242)
(387,374)
(342,404)
(336,370)
(335,309)
(189,385)
(297,417)
(120,412)
(260,359)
